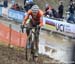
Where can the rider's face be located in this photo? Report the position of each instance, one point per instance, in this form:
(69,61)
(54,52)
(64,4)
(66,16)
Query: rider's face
(35,13)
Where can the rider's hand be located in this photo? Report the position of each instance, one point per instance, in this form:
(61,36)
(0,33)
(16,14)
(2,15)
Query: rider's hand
(22,26)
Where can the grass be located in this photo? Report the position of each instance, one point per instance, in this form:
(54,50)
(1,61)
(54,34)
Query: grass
(50,27)
(11,46)
(2,43)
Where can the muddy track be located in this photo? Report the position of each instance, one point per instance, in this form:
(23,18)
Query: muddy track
(17,56)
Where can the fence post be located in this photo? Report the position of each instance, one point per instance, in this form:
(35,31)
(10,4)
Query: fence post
(20,39)
(9,35)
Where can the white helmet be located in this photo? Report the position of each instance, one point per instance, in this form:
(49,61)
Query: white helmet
(35,8)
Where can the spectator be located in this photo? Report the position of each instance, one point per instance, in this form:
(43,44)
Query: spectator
(48,11)
(71,18)
(30,1)
(71,8)
(16,7)
(13,6)
(60,9)
(54,12)
(24,2)
(21,9)
(5,3)
(28,5)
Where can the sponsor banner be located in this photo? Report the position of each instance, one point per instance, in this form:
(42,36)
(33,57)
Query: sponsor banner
(16,15)
(10,36)
(59,25)
(0,11)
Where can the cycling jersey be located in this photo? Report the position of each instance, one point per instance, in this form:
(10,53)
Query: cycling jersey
(37,18)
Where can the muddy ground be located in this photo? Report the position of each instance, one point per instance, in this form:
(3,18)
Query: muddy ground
(17,56)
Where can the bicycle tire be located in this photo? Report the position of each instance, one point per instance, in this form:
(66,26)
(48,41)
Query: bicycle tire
(35,45)
(28,49)
(28,53)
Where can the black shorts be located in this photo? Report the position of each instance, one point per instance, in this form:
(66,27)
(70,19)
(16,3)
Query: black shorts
(34,24)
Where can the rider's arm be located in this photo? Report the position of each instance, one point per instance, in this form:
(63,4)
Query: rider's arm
(26,17)
(41,18)
(41,22)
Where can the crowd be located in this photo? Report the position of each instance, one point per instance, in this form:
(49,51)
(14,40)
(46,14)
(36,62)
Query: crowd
(16,6)
(49,10)
(27,5)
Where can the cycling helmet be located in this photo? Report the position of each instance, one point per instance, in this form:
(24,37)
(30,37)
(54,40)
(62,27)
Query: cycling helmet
(35,8)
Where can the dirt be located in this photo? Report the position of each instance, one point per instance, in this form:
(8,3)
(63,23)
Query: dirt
(17,56)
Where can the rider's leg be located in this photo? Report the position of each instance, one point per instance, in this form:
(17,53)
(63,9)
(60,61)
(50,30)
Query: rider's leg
(28,29)
(29,25)
(37,40)
(28,34)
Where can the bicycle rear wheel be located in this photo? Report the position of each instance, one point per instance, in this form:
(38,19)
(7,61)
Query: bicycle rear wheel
(28,51)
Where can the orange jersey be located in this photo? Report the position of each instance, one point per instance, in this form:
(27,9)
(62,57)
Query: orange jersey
(38,17)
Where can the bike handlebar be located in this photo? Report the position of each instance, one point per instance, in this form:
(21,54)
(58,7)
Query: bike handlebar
(22,27)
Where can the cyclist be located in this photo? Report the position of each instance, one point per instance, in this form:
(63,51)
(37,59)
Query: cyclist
(36,19)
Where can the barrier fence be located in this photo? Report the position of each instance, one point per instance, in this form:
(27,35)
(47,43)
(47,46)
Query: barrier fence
(10,36)
(16,15)
(59,26)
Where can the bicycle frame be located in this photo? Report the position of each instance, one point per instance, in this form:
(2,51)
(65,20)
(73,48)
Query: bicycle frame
(35,43)
(33,35)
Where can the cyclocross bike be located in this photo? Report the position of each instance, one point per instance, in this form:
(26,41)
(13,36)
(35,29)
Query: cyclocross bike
(32,43)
